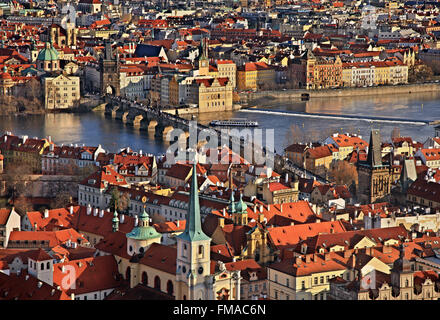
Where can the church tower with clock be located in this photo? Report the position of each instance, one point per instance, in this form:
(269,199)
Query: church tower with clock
(204,58)
(193,252)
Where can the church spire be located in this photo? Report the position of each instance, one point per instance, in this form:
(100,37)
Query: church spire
(374,158)
(193,229)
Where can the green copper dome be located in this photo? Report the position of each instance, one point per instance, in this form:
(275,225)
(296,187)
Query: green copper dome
(143,231)
(49,53)
(241,206)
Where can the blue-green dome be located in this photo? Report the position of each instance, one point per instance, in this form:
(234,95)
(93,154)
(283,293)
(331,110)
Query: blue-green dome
(241,207)
(49,53)
(143,231)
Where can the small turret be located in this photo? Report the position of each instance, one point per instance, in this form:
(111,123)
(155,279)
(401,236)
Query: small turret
(115,221)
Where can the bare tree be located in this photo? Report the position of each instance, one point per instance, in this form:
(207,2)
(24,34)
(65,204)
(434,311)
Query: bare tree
(395,133)
(23,204)
(61,200)
(342,172)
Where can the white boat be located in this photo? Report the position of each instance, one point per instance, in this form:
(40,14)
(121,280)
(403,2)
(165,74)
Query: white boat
(234,123)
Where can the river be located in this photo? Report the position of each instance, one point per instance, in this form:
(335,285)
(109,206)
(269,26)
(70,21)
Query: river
(93,128)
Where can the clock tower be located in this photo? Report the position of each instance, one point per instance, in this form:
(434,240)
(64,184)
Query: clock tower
(193,253)
(203,58)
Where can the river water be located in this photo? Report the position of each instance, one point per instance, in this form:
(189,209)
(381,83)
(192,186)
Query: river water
(93,128)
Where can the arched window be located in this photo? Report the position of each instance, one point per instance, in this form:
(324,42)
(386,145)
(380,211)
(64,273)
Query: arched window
(128,274)
(42,266)
(157,282)
(201,250)
(170,288)
(145,278)
(48,265)
(406,283)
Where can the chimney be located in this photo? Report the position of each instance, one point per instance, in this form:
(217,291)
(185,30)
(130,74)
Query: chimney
(95,212)
(327,256)
(46,213)
(101,213)
(177,223)
(35,226)
(353,261)
(268,207)
(307,258)
(39,284)
(71,209)
(121,218)
(298,260)
(281,207)
(287,178)
(224,212)
(89,209)
(136,221)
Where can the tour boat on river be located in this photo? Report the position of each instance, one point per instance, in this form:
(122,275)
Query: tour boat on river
(234,123)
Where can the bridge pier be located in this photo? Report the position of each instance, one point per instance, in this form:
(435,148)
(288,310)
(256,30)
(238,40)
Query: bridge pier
(152,125)
(125,116)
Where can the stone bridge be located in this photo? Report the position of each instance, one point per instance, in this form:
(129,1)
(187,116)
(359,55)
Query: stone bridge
(153,120)
(144,118)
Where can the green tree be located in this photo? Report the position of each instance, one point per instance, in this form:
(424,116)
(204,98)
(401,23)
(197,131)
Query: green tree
(119,199)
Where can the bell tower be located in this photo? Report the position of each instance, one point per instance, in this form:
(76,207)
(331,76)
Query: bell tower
(193,252)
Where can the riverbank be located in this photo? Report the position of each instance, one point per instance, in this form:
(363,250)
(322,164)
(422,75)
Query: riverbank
(299,94)
(86,105)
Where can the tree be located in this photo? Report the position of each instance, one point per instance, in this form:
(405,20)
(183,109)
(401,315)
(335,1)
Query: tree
(23,205)
(120,198)
(420,73)
(15,178)
(395,133)
(342,172)
(295,134)
(61,200)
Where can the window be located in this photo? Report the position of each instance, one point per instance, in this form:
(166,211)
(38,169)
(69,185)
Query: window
(316,280)
(287,282)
